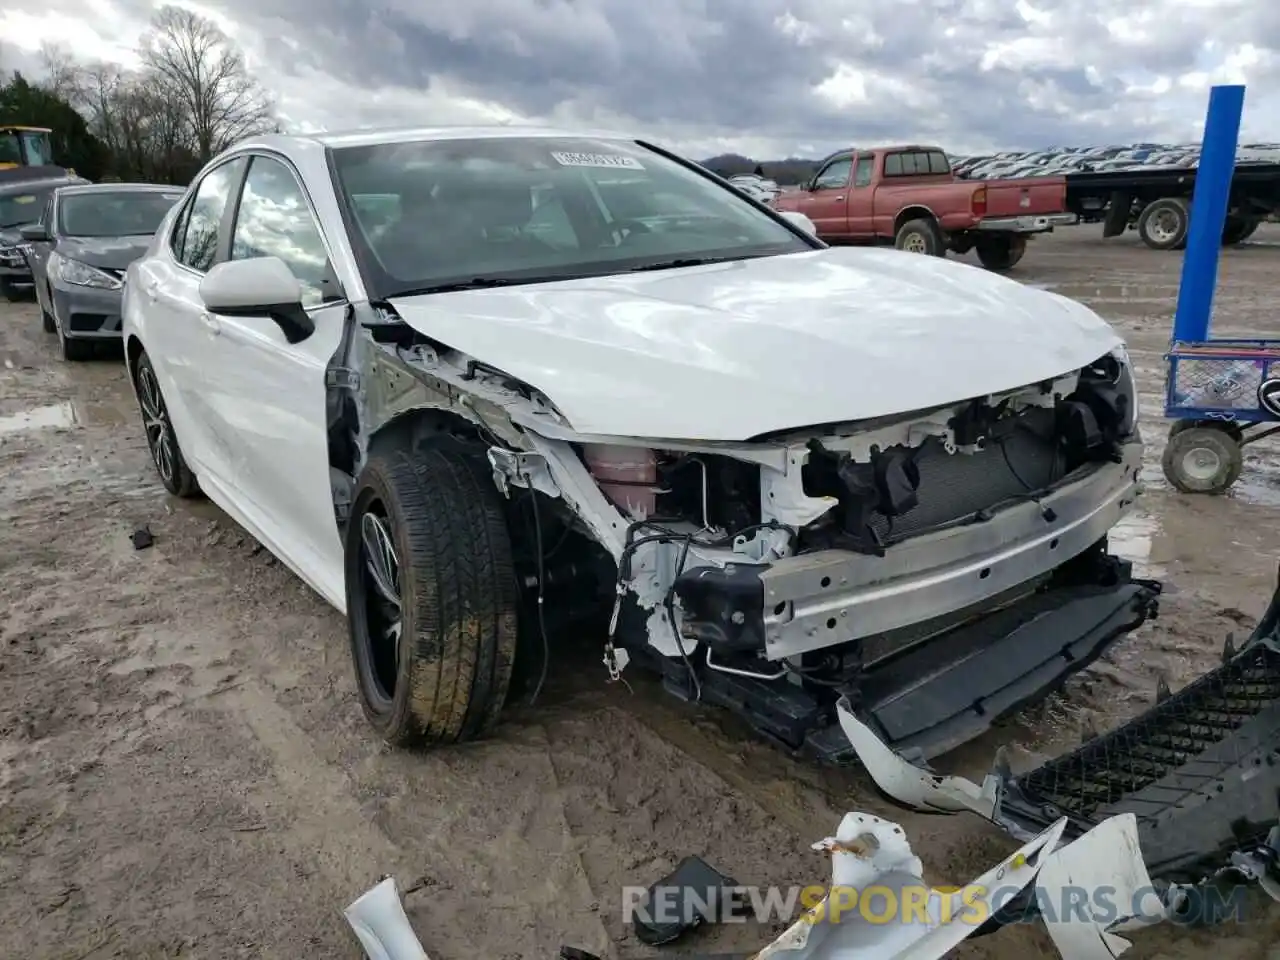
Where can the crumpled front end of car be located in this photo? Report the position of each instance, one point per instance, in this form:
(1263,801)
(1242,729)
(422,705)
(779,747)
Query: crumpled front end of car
(942,568)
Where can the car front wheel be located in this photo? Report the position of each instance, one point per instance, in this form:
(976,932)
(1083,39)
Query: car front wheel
(171,466)
(431,596)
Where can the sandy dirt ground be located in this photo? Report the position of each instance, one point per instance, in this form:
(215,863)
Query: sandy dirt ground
(185,771)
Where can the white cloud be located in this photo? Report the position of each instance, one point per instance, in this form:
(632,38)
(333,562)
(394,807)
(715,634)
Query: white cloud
(770,77)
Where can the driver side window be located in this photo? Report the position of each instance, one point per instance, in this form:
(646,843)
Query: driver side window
(834,175)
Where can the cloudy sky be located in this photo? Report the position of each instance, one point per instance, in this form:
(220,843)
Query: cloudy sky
(762,77)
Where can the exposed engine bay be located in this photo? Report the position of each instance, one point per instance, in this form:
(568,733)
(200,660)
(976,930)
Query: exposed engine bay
(940,568)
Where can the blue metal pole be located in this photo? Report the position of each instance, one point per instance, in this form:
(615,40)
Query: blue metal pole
(1209,201)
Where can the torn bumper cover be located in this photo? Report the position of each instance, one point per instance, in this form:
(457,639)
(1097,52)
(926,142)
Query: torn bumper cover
(1199,773)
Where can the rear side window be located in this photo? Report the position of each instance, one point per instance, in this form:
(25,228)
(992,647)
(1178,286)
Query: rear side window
(862,176)
(914,163)
(197,234)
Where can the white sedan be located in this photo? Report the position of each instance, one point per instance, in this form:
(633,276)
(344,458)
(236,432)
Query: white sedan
(472,385)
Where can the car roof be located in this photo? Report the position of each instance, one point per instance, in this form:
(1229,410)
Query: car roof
(27,186)
(78,188)
(375,136)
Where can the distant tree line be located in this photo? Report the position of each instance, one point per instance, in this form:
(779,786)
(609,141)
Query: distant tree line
(787,172)
(191,97)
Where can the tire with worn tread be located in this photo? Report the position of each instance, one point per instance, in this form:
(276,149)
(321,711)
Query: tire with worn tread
(1202,460)
(450,669)
(1001,253)
(921,236)
(178,478)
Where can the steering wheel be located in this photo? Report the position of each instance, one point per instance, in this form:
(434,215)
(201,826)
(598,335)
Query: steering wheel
(624,228)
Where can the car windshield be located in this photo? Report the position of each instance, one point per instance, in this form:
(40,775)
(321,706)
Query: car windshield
(121,213)
(428,214)
(19,208)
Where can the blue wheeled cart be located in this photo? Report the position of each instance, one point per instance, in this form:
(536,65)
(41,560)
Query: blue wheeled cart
(1221,394)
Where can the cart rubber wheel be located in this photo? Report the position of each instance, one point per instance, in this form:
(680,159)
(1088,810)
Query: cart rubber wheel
(1163,223)
(1202,460)
(1001,253)
(432,597)
(921,236)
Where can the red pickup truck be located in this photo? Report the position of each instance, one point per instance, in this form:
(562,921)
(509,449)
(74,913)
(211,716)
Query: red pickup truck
(908,196)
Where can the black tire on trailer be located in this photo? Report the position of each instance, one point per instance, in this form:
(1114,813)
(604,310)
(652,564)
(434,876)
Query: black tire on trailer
(1236,229)
(432,597)
(1202,460)
(921,236)
(1163,223)
(1001,252)
(162,441)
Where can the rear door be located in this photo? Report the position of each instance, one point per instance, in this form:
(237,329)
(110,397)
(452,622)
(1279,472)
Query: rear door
(861,206)
(266,397)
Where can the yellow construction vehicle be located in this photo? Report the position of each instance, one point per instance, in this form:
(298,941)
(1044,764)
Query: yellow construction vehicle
(24,146)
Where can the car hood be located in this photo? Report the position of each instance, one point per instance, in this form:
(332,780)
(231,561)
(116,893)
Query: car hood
(731,351)
(114,253)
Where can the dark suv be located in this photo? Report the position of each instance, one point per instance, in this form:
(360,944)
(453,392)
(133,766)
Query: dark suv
(24,196)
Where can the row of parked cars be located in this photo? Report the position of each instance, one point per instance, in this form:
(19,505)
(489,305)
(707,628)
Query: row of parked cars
(1056,161)
(69,242)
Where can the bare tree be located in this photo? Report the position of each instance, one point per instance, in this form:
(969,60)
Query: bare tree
(62,74)
(189,62)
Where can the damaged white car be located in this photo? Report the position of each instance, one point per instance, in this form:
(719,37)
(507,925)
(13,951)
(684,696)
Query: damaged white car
(474,384)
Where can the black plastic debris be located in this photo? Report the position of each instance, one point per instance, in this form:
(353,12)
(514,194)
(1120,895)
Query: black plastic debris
(142,538)
(693,893)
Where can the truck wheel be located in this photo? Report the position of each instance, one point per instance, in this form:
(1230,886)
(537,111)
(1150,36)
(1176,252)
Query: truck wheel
(1163,224)
(921,236)
(9,291)
(431,596)
(1237,229)
(1202,460)
(1002,252)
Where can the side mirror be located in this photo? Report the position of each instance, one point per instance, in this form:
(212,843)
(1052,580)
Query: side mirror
(801,221)
(34,233)
(258,287)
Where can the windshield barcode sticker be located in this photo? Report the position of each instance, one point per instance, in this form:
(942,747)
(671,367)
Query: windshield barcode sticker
(611,160)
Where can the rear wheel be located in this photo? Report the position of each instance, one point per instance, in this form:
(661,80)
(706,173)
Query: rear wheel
(1163,223)
(431,596)
(1001,252)
(1237,229)
(161,439)
(921,236)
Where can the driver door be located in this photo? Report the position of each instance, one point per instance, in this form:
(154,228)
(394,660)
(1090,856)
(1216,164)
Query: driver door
(267,397)
(827,201)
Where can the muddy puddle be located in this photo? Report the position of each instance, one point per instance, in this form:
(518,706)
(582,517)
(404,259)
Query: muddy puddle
(59,416)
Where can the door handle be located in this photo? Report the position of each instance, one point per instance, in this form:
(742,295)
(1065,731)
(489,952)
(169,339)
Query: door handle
(837,198)
(211,322)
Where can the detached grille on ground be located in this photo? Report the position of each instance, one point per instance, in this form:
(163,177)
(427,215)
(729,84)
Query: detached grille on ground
(1200,770)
